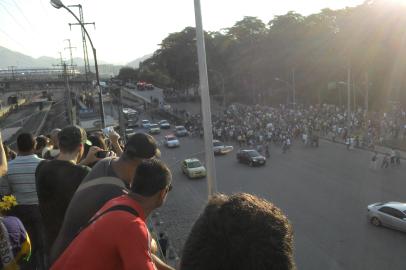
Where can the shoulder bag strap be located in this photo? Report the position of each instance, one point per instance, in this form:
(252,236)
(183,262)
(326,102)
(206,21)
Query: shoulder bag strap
(107,180)
(119,207)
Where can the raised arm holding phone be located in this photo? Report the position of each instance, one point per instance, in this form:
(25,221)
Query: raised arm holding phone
(3,159)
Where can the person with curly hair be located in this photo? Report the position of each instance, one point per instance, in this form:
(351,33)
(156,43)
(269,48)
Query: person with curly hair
(239,232)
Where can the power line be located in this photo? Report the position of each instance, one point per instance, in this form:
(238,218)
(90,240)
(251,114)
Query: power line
(43,7)
(14,40)
(22,13)
(14,19)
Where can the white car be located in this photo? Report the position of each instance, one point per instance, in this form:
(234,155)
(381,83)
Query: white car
(145,123)
(220,149)
(171,141)
(129,111)
(154,129)
(164,124)
(193,168)
(390,214)
(181,131)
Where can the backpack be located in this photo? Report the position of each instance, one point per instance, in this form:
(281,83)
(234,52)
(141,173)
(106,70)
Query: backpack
(119,207)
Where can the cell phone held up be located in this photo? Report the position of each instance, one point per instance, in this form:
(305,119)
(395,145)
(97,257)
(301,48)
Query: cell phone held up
(107,130)
(102,154)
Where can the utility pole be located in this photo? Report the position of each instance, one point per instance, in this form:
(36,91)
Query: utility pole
(294,88)
(85,53)
(12,72)
(367,92)
(70,53)
(349,94)
(67,88)
(121,114)
(205,98)
(72,73)
(61,59)
(354,94)
(69,98)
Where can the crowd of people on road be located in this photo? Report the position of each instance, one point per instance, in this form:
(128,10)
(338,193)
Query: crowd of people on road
(73,200)
(260,126)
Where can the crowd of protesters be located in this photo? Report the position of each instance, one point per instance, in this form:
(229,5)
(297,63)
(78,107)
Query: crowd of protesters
(258,126)
(72,200)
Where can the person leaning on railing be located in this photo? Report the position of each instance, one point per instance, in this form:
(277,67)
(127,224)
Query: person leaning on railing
(118,228)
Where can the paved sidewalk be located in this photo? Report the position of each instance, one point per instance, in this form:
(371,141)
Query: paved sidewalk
(378,148)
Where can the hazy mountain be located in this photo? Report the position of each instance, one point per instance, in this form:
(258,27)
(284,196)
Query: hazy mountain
(136,63)
(11,58)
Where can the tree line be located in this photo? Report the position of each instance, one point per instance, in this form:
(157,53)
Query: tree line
(261,63)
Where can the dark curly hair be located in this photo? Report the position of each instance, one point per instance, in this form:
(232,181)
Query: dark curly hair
(237,232)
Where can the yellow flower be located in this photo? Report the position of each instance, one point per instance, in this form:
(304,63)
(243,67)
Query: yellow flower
(7,202)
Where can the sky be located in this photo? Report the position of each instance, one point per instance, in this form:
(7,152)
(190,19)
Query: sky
(128,29)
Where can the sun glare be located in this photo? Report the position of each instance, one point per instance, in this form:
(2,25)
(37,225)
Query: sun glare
(397,2)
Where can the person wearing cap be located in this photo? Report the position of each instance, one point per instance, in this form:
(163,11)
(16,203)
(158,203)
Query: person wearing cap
(117,236)
(108,179)
(58,179)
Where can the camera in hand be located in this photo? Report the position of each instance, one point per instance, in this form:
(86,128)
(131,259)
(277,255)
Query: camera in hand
(102,154)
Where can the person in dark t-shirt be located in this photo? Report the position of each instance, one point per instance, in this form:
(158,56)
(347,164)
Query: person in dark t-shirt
(58,179)
(109,178)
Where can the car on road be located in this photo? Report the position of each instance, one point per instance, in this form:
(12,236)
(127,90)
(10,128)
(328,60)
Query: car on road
(220,148)
(145,123)
(181,131)
(149,86)
(129,132)
(193,168)
(141,86)
(389,214)
(164,124)
(132,123)
(130,85)
(250,157)
(171,141)
(154,129)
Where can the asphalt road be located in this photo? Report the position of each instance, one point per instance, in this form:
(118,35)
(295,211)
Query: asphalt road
(156,93)
(323,191)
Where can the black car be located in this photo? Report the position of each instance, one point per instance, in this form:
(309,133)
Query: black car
(251,157)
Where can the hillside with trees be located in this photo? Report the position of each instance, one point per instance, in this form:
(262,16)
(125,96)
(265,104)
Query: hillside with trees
(254,61)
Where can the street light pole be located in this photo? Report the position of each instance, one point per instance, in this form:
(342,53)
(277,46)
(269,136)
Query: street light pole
(206,111)
(349,95)
(58,4)
(294,89)
(291,86)
(367,92)
(222,86)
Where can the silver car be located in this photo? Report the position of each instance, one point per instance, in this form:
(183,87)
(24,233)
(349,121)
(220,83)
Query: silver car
(389,214)
(220,148)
